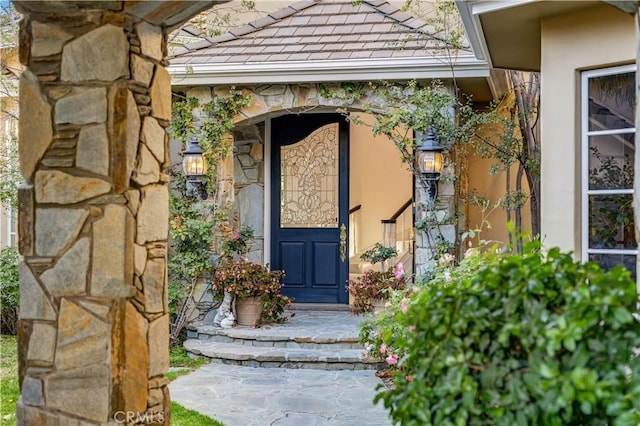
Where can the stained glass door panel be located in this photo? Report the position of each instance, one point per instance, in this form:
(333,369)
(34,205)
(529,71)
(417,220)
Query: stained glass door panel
(309,175)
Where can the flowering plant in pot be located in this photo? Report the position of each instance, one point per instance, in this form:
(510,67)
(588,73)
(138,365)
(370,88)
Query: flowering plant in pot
(373,286)
(251,281)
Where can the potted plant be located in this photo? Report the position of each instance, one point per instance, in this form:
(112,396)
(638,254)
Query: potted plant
(371,290)
(254,288)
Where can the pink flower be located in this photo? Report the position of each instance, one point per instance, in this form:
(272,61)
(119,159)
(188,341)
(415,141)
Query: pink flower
(412,328)
(399,271)
(236,236)
(383,348)
(409,378)
(469,252)
(392,359)
(403,305)
(446,258)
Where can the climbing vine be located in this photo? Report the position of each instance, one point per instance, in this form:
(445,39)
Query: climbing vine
(208,124)
(194,225)
(504,132)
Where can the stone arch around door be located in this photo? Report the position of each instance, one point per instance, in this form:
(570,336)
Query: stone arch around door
(242,177)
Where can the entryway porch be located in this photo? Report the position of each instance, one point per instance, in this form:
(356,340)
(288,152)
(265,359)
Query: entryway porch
(316,336)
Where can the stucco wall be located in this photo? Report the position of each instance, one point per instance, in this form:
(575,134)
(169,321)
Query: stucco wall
(377,180)
(493,187)
(598,37)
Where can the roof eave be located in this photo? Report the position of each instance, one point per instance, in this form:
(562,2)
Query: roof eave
(328,71)
(507,33)
(470,13)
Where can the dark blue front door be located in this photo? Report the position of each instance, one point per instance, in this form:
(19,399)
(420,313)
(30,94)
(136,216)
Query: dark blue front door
(309,213)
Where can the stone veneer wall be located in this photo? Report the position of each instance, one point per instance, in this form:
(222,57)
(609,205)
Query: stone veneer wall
(281,98)
(248,176)
(241,178)
(241,187)
(442,212)
(93,328)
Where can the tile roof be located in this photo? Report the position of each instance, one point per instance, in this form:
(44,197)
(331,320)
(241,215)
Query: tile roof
(317,30)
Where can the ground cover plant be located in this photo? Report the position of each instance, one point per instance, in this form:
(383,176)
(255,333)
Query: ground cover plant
(9,390)
(182,363)
(508,339)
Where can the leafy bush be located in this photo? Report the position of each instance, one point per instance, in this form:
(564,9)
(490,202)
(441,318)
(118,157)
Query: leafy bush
(379,253)
(531,339)
(374,285)
(237,243)
(244,279)
(9,289)
(189,257)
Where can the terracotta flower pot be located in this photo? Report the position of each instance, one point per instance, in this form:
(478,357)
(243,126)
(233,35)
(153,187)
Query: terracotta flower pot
(377,304)
(248,311)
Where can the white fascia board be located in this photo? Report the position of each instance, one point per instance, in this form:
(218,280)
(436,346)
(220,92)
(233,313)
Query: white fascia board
(470,11)
(327,71)
(480,7)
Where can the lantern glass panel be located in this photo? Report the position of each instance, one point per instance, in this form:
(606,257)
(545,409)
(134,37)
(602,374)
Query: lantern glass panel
(193,165)
(431,162)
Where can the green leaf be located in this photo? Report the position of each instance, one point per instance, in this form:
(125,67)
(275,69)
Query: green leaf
(547,372)
(622,315)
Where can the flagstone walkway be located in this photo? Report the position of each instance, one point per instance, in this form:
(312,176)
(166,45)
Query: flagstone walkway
(256,394)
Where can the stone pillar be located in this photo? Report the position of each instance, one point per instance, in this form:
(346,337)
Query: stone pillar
(94,103)
(438,214)
(225,195)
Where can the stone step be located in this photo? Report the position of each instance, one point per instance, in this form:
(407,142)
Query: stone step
(278,357)
(271,338)
(326,339)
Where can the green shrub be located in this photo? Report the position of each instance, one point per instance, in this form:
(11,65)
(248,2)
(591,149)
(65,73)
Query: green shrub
(9,289)
(531,339)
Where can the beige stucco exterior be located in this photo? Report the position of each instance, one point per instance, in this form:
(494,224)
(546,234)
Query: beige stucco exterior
(597,37)
(378,181)
(492,221)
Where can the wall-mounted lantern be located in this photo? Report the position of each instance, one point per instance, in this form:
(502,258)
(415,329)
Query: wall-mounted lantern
(430,160)
(194,167)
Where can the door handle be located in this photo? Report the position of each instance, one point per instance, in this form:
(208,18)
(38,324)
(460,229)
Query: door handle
(343,242)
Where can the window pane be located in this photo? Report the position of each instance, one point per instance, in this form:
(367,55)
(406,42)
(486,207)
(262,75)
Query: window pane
(611,101)
(611,161)
(13,228)
(611,222)
(608,261)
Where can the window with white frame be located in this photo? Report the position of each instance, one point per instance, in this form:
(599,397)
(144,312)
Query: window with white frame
(608,149)
(9,163)
(12,227)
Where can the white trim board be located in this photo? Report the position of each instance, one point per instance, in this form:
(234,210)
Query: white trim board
(324,71)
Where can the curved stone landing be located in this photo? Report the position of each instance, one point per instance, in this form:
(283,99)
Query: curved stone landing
(310,339)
